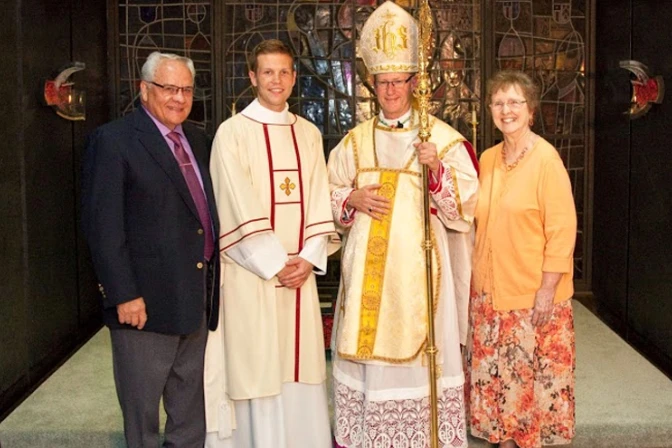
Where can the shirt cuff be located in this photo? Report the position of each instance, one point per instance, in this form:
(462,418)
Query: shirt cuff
(262,254)
(315,253)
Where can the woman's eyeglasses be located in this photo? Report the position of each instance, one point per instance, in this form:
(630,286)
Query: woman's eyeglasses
(513,104)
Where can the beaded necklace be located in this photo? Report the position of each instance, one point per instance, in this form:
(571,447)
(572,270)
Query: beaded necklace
(515,163)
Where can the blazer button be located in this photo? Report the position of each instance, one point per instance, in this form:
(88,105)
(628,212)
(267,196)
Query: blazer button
(199,265)
(200,231)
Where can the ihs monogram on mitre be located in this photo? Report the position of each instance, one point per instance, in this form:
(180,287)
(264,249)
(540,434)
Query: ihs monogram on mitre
(389,39)
(389,42)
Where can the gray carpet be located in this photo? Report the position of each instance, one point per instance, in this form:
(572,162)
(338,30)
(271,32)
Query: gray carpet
(622,400)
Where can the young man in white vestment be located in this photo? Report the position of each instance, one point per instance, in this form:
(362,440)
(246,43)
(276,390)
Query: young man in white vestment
(265,367)
(381,378)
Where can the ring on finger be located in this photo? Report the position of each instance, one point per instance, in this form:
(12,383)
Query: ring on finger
(370,209)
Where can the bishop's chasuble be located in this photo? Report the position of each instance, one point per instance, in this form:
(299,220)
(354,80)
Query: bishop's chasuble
(268,356)
(380,369)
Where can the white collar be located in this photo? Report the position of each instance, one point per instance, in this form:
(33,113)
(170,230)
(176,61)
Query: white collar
(404,119)
(262,114)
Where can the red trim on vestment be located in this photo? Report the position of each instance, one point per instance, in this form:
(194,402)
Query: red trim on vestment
(352,213)
(472,155)
(297,335)
(243,224)
(241,239)
(317,224)
(297,332)
(319,234)
(270,173)
(436,182)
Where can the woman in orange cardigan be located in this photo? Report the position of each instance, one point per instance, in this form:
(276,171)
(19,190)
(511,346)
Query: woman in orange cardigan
(521,348)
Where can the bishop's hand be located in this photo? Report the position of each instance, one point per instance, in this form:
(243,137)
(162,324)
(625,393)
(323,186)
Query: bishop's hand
(427,155)
(367,201)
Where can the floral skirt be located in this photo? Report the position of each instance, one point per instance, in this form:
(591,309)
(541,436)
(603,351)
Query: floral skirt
(520,377)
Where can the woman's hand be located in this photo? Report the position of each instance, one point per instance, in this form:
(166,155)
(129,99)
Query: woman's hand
(543,306)
(365,200)
(543,299)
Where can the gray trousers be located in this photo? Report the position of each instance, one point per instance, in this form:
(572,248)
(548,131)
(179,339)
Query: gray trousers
(148,366)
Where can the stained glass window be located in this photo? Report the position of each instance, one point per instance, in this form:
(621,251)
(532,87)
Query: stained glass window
(332,89)
(546,38)
(181,27)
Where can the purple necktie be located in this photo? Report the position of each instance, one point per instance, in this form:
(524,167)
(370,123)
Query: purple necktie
(196,191)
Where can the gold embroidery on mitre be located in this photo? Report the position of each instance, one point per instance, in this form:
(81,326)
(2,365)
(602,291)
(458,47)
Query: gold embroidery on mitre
(288,186)
(388,39)
(374,270)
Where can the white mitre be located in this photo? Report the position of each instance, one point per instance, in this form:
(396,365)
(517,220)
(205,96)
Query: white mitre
(389,41)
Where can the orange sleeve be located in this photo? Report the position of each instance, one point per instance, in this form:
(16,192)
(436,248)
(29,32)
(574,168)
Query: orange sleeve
(558,216)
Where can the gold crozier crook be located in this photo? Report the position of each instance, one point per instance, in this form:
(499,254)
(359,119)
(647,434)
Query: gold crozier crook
(423,93)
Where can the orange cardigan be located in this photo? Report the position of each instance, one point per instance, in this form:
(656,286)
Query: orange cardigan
(525,225)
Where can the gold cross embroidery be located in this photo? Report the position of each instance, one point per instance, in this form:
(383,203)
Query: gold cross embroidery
(287,187)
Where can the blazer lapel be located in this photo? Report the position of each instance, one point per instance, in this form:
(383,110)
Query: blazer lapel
(152,140)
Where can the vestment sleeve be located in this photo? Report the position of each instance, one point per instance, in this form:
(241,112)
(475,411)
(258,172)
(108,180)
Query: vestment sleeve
(456,197)
(558,215)
(261,254)
(315,252)
(342,173)
(241,215)
(319,222)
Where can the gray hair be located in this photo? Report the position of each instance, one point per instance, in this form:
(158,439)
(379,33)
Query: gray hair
(156,58)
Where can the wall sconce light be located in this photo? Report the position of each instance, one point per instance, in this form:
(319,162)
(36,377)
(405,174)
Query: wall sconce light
(646,89)
(68,102)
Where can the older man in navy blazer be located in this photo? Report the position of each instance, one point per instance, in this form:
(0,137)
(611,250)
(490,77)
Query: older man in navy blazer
(148,214)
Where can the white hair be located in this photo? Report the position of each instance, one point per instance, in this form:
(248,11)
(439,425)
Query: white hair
(154,60)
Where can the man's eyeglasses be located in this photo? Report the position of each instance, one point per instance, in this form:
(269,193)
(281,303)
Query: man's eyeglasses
(394,84)
(513,104)
(174,90)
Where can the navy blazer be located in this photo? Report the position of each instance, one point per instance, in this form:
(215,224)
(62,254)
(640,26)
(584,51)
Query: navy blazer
(142,225)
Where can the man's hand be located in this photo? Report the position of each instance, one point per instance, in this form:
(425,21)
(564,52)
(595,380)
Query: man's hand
(133,313)
(427,155)
(295,273)
(365,200)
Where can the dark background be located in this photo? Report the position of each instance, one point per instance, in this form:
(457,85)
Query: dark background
(48,304)
(48,297)
(632,237)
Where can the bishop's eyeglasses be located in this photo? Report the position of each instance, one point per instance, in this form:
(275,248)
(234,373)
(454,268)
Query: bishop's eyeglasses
(394,84)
